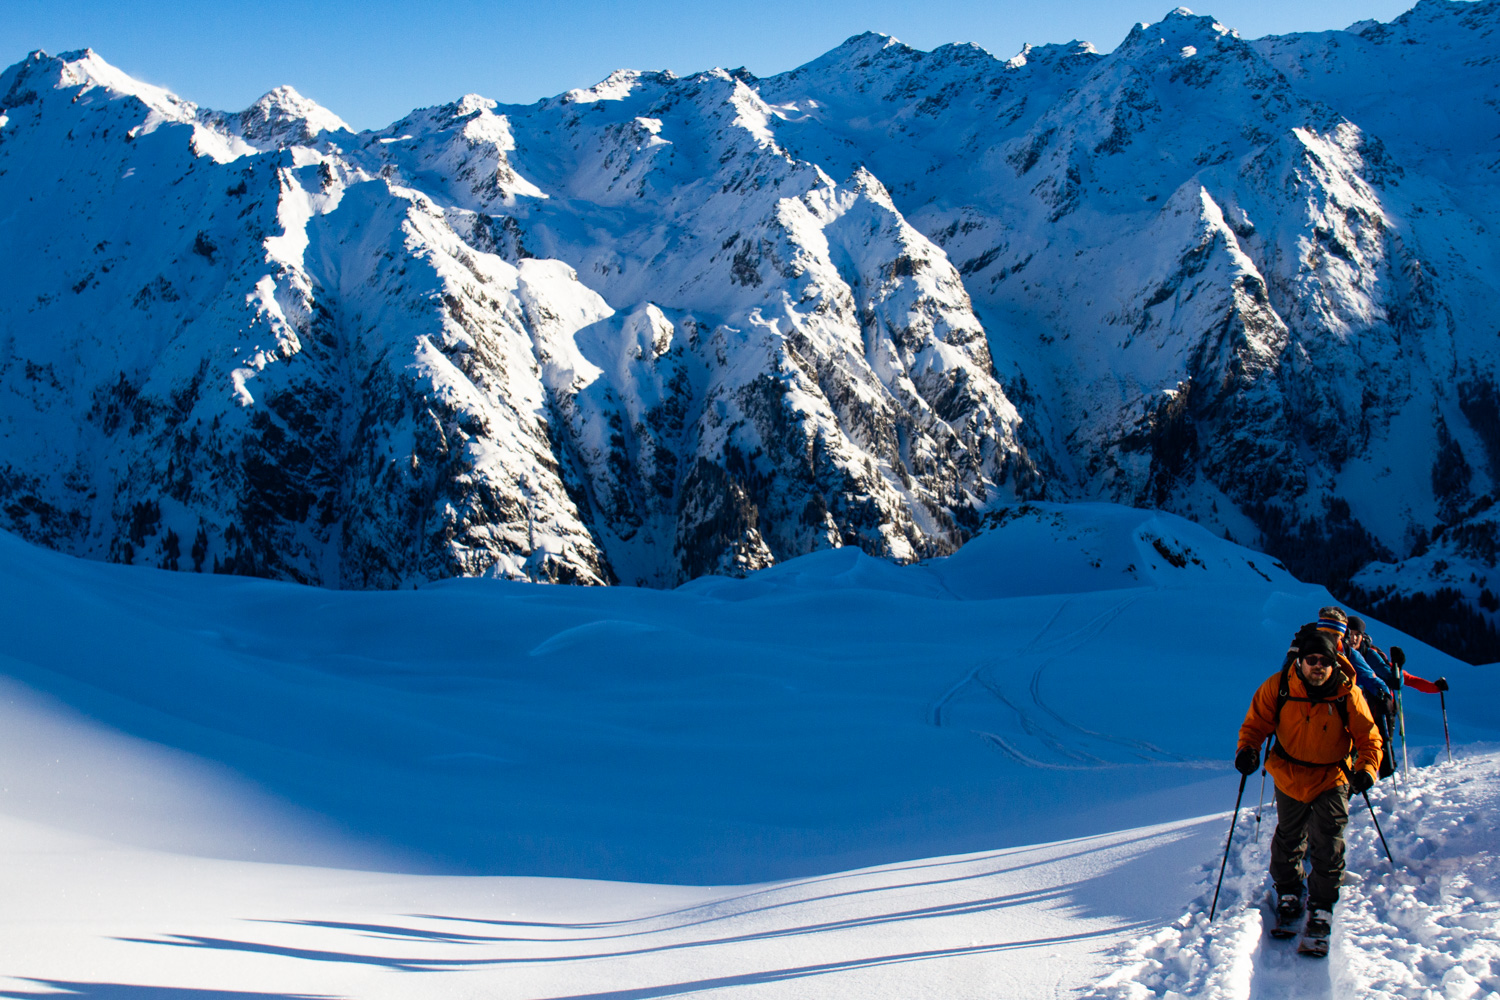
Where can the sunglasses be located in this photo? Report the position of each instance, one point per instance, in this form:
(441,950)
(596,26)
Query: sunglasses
(1317,660)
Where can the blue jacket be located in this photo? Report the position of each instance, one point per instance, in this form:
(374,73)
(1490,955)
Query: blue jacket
(1383,668)
(1370,683)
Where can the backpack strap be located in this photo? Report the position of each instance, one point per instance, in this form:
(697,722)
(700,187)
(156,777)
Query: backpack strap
(1284,695)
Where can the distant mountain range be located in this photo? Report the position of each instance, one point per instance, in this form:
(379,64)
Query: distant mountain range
(669,326)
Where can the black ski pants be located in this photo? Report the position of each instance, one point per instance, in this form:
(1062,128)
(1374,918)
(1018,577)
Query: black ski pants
(1380,710)
(1314,830)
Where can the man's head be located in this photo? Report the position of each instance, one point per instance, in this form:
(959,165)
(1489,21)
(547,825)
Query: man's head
(1333,623)
(1333,620)
(1316,650)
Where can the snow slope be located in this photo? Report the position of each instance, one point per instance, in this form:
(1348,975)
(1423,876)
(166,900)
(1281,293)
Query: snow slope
(985,775)
(1025,922)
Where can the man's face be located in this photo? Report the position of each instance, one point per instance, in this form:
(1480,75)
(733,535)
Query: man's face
(1357,639)
(1316,668)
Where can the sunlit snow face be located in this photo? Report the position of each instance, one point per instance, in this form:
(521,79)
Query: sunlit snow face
(1316,668)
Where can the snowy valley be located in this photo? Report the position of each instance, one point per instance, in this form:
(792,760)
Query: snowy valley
(666,327)
(217,788)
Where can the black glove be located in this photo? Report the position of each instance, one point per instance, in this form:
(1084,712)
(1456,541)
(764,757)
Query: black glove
(1362,781)
(1247,760)
(1441,683)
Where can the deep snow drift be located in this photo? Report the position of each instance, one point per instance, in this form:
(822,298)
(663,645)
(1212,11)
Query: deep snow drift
(1016,757)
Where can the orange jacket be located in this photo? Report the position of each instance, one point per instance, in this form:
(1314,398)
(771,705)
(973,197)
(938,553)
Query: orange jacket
(1314,732)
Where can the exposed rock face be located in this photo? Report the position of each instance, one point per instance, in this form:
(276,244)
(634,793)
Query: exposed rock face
(671,326)
(1250,282)
(261,344)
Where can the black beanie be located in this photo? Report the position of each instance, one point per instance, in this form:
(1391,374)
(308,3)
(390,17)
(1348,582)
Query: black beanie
(1311,639)
(1357,625)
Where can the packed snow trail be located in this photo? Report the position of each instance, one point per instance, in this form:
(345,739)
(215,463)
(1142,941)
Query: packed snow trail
(1429,929)
(1280,972)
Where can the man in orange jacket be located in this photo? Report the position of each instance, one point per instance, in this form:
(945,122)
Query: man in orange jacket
(1319,718)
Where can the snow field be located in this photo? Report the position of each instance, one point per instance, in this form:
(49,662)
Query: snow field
(1427,929)
(984,776)
(95,919)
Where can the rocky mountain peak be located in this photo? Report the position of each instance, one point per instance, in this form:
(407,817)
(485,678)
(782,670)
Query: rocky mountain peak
(1435,22)
(283,117)
(617,86)
(859,53)
(1460,13)
(1048,54)
(85,72)
(966,54)
(1181,34)
(864,44)
(442,118)
(473,104)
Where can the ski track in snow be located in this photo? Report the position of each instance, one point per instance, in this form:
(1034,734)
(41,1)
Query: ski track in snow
(1426,929)
(1061,752)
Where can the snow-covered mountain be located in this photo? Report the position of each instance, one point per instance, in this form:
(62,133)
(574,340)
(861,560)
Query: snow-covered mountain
(667,326)
(1235,279)
(257,342)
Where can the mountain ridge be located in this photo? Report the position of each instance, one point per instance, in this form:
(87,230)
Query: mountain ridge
(640,332)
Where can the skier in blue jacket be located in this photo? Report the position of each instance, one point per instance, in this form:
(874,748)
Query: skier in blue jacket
(1377,692)
(1375,688)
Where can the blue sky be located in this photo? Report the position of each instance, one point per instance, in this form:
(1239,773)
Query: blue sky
(372,61)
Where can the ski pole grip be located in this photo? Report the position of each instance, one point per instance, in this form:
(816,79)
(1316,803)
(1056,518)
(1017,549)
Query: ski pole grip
(1398,656)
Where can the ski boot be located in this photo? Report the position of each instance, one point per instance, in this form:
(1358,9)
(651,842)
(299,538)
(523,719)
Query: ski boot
(1287,909)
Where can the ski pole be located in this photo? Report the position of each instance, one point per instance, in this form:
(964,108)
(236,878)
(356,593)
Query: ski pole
(1260,804)
(1443,701)
(1406,766)
(1398,777)
(1398,659)
(1350,775)
(1223,864)
(1377,830)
